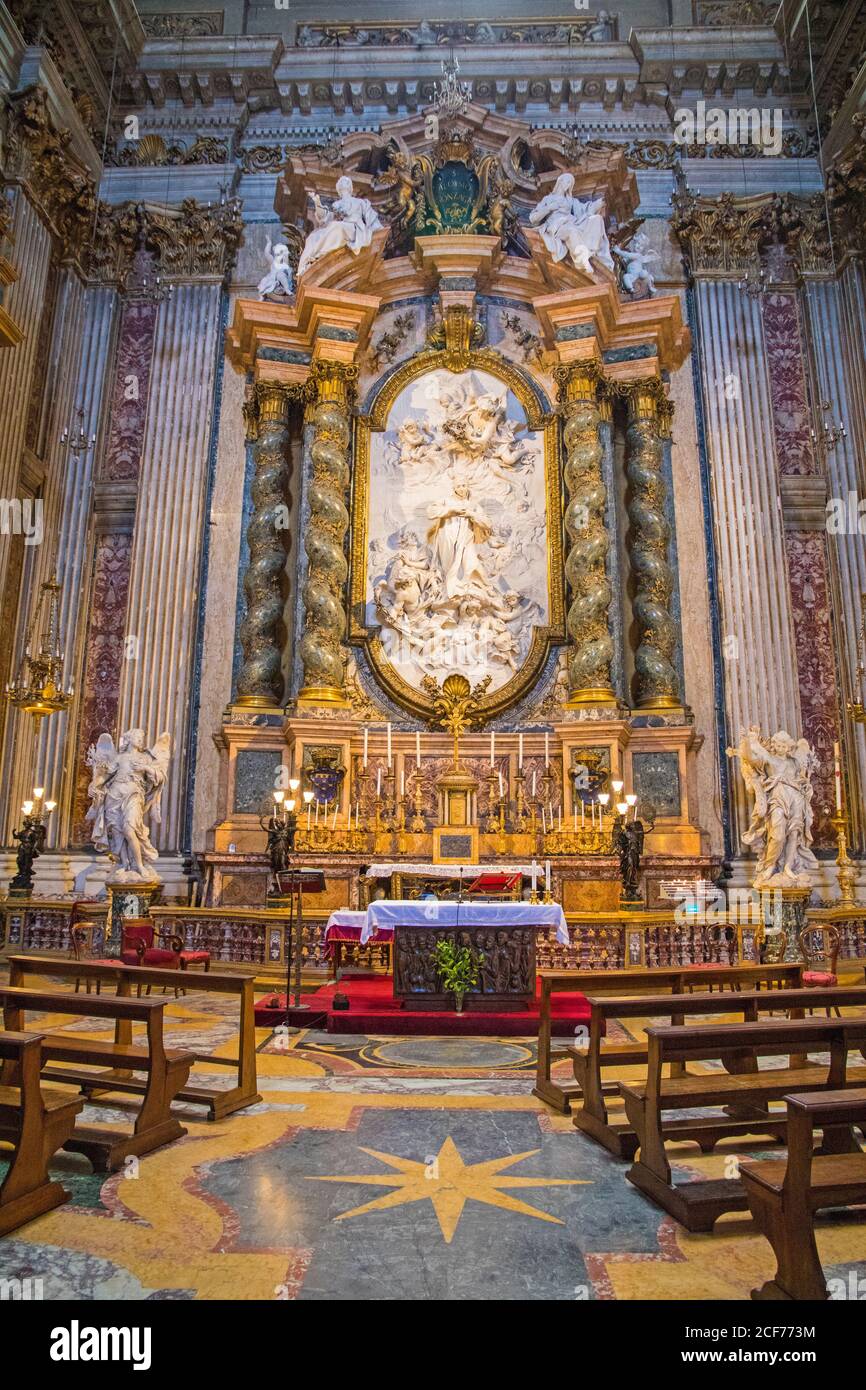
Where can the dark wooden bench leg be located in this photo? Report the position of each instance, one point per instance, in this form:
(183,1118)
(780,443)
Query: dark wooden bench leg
(792,1235)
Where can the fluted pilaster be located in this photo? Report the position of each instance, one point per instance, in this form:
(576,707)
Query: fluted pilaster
(322,650)
(656,681)
(261,682)
(591,648)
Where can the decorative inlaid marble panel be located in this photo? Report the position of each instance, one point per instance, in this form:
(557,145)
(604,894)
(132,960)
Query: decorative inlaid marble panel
(255,773)
(656,778)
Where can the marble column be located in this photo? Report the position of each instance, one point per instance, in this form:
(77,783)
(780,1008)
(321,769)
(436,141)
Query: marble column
(656,680)
(260,682)
(322,645)
(588,621)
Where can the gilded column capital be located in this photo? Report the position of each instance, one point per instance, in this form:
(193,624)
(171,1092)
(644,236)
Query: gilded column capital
(722,237)
(37,155)
(273,401)
(578,381)
(335,382)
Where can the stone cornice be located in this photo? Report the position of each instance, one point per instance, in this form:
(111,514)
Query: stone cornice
(400,77)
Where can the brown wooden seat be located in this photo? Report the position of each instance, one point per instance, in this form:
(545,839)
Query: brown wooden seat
(784,1196)
(37,1121)
(589,1062)
(654,980)
(744,1090)
(166,1071)
(219,1100)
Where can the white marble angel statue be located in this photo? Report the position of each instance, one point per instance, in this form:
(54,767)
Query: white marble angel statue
(126,787)
(278,279)
(350,222)
(573,228)
(777,772)
(635,259)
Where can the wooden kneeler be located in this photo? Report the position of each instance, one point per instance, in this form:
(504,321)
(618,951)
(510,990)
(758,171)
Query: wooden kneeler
(38,1122)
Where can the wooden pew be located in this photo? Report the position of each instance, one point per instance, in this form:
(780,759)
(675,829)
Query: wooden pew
(38,1122)
(592,1119)
(219,1101)
(697,1204)
(783,1197)
(559,1094)
(166,1071)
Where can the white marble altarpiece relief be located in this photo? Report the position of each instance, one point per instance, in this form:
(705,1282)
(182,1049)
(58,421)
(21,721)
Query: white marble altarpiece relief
(457,532)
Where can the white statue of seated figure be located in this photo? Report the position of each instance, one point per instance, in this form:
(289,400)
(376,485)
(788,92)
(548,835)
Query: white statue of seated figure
(349,222)
(573,228)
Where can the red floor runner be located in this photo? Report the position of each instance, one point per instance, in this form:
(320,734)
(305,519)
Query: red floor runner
(373,1009)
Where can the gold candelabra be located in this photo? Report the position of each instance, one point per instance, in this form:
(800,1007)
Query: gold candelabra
(856,707)
(847,870)
(37,687)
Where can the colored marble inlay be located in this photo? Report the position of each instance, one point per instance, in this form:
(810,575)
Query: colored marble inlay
(103,661)
(657,782)
(813,639)
(129,392)
(256,771)
(806,553)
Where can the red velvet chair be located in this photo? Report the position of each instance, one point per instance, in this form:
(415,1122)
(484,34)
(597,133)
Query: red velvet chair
(819,946)
(145,944)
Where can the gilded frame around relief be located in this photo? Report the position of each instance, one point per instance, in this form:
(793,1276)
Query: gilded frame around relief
(538,420)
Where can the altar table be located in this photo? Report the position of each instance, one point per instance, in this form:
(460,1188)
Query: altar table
(502,934)
(344,927)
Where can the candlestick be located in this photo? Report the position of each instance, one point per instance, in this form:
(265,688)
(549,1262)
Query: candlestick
(837,773)
(378,782)
(417,749)
(402,782)
(534,777)
(389,747)
(520,752)
(366,746)
(501,786)
(846,870)
(547,875)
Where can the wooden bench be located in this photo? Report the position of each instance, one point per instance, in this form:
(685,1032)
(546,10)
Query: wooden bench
(38,1122)
(784,1196)
(560,1094)
(218,1101)
(592,1119)
(166,1071)
(696,1205)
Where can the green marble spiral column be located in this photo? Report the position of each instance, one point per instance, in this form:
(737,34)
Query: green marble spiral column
(261,681)
(649,416)
(323,654)
(588,619)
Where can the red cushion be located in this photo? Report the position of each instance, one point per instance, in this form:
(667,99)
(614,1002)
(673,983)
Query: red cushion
(818,977)
(152,957)
(195,957)
(129,957)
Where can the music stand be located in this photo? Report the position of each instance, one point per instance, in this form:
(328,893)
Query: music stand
(296,881)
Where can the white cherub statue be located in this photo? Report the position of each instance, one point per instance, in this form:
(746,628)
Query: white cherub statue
(278,279)
(635,261)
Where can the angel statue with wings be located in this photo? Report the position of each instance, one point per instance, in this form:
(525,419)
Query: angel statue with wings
(126,787)
(777,772)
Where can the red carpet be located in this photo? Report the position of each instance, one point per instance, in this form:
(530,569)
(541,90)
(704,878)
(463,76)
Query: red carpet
(373,1009)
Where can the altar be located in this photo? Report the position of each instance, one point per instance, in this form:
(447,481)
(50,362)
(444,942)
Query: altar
(500,936)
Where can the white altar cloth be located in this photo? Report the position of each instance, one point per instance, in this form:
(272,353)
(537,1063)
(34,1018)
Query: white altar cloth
(435,913)
(465,871)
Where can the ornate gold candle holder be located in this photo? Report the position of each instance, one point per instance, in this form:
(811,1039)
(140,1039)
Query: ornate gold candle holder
(417,825)
(520,800)
(847,871)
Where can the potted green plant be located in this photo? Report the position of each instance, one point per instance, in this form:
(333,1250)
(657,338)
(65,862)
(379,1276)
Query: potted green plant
(457,967)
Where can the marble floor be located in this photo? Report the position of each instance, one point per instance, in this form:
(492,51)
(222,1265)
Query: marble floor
(384,1168)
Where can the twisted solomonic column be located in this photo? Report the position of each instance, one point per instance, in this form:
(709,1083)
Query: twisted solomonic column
(588,619)
(649,415)
(323,655)
(261,680)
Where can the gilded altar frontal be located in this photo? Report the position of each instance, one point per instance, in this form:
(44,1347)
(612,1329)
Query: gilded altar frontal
(433,652)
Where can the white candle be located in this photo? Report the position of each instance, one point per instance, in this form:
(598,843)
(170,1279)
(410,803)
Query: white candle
(582,814)
(543,821)
(534,775)
(379,781)
(492,747)
(366,738)
(334,825)
(547,874)
(546,751)
(309,815)
(402,782)
(534,876)
(520,752)
(501,786)
(317,810)
(837,769)
(417,749)
(389,747)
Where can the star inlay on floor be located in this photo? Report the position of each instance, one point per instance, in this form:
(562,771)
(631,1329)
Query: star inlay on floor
(449,1184)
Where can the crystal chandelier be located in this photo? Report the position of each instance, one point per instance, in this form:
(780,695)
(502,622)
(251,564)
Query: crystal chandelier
(451,97)
(38,685)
